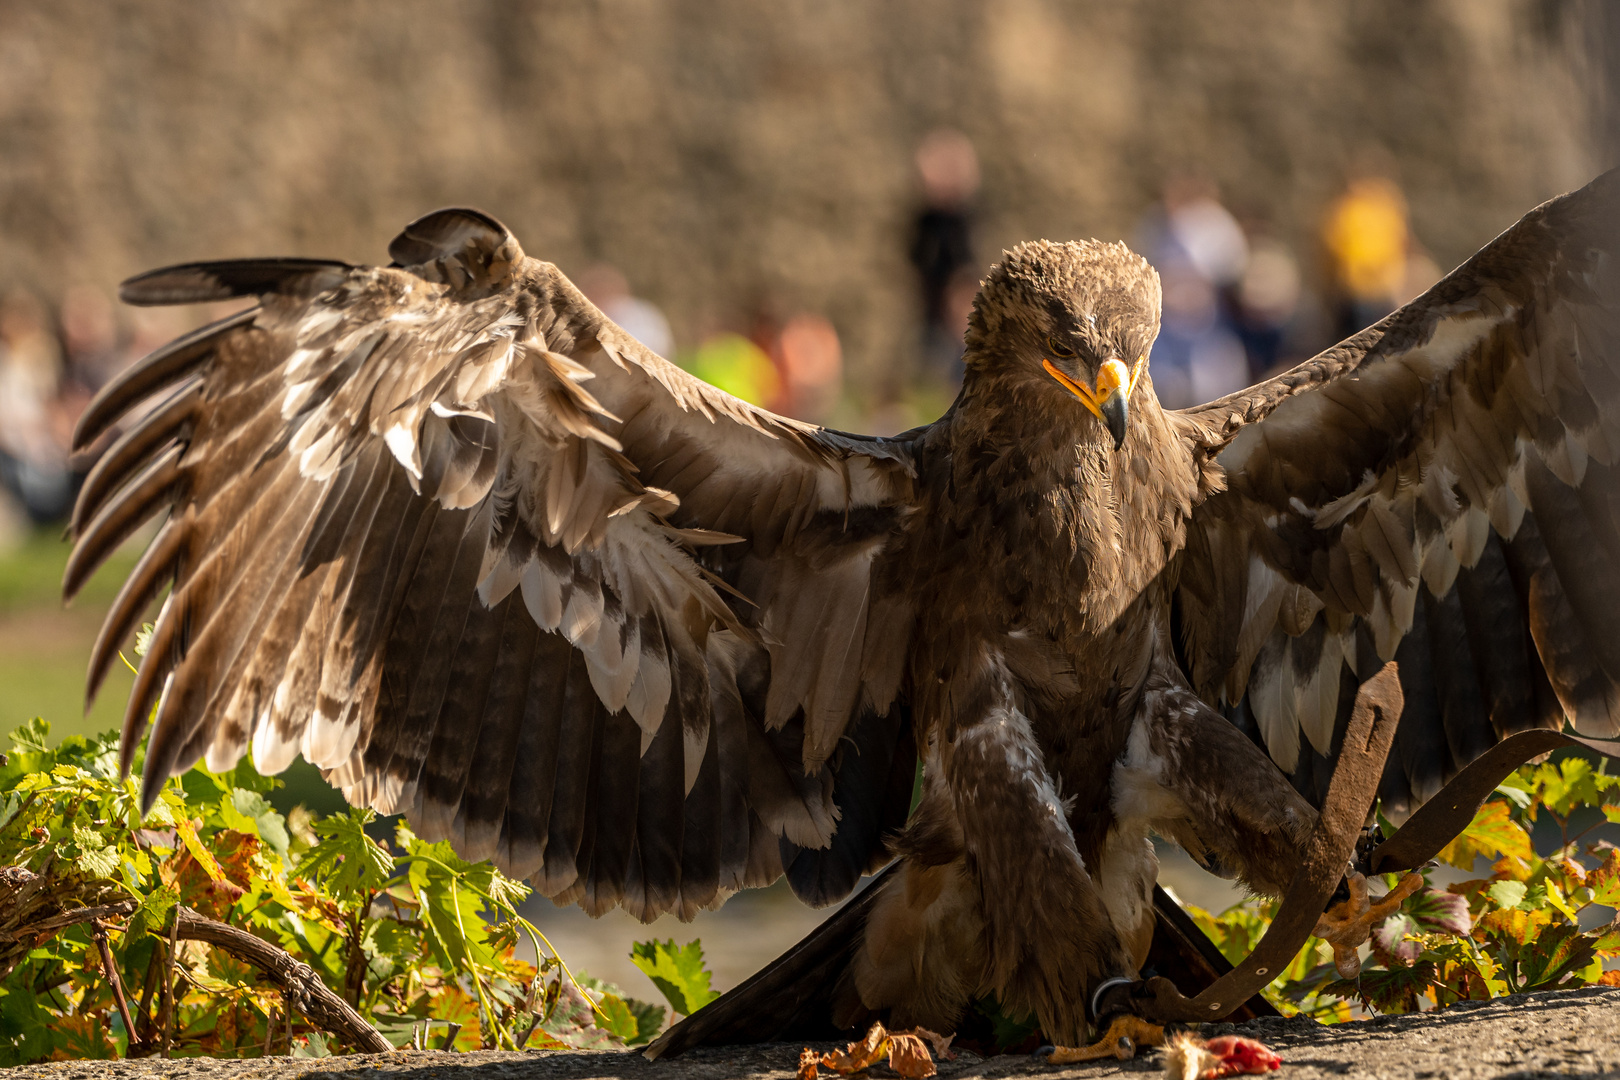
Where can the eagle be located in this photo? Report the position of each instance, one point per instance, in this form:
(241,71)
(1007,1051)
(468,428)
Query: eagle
(448,532)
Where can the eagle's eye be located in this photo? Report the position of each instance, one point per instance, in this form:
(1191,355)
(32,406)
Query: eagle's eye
(1059,349)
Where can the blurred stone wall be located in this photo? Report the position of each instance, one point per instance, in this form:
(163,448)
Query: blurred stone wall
(727,153)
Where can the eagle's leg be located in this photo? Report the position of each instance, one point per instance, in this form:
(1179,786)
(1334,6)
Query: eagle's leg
(1197,780)
(1049,935)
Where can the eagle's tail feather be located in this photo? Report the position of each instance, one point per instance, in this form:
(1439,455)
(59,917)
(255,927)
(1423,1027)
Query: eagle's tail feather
(791,998)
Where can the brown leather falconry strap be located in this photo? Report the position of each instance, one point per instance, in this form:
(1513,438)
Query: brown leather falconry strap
(1438,821)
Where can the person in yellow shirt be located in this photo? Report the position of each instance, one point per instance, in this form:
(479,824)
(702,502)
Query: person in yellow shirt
(1367,240)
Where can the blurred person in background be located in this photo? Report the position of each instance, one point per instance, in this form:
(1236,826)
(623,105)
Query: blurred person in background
(1271,312)
(90,338)
(804,358)
(88,326)
(942,248)
(1375,264)
(34,432)
(738,366)
(1200,253)
(810,364)
(606,286)
(1366,239)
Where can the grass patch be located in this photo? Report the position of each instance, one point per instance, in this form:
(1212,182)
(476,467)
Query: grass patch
(31,574)
(44,647)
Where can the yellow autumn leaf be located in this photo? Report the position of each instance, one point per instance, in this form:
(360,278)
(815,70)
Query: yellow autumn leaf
(205,858)
(1493,832)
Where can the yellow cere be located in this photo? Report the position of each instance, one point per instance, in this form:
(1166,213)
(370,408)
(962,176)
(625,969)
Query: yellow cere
(1113,375)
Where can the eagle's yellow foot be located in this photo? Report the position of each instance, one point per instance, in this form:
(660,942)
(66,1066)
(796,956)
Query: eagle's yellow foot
(1121,1040)
(1346,925)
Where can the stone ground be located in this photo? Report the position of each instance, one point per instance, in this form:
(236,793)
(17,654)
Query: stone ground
(1569,1033)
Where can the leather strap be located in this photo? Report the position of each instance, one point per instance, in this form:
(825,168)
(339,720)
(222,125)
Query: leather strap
(1439,821)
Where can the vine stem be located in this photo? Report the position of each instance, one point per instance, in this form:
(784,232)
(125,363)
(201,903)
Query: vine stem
(300,986)
(103,946)
(478,984)
(169,1009)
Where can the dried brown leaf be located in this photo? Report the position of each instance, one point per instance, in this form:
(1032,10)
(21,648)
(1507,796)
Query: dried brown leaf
(860,1055)
(939,1044)
(908,1056)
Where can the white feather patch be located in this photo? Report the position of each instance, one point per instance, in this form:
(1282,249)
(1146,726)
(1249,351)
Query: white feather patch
(1506,512)
(542,595)
(401,442)
(1440,567)
(499,580)
(582,618)
(649,694)
(272,752)
(328,741)
(1567,460)
(1271,696)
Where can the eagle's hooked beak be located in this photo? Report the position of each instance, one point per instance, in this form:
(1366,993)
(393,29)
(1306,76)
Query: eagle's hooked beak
(1110,402)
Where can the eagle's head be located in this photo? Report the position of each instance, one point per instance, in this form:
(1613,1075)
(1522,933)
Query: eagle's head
(1079,316)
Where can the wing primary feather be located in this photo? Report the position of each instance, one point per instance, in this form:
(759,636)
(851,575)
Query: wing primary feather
(143,497)
(612,812)
(1577,679)
(529,795)
(164,650)
(134,450)
(575,770)
(1579,559)
(1420,752)
(151,575)
(703,833)
(374,594)
(280,589)
(148,376)
(861,778)
(422,648)
(1455,668)
(458,726)
(653,885)
(1498,637)
(207,282)
(248,600)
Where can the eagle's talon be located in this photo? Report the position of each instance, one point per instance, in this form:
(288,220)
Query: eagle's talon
(1348,924)
(1041,1053)
(1121,1040)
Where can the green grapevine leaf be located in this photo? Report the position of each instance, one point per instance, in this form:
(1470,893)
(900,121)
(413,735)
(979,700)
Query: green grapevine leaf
(677,971)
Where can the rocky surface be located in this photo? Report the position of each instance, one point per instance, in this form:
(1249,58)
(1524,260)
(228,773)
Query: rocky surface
(1570,1033)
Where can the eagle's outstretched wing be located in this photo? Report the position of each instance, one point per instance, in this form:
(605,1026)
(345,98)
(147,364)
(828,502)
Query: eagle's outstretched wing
(454,536)
(1442,489)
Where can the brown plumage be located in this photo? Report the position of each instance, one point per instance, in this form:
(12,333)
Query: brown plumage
(448,532)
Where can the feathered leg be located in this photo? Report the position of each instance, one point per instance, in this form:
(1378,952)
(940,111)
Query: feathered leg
(1191,776)
(1049,935)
